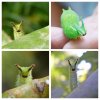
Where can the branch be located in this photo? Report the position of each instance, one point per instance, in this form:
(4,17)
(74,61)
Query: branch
(39,88)
(89,89)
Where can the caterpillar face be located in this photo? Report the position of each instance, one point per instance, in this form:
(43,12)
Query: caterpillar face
(25,71)
(17,27)
(73,69)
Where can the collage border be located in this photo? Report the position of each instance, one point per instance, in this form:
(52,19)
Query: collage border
(49,42)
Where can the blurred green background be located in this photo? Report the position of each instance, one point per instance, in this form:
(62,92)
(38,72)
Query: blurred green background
(60,69)
(35,15)
(23,58)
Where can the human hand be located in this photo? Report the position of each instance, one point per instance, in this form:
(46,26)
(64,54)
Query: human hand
(89,41)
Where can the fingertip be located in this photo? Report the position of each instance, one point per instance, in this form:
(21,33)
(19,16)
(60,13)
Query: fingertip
(58,38)
(74,44)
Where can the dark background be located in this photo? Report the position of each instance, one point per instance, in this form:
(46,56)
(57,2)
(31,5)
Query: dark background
(35,15)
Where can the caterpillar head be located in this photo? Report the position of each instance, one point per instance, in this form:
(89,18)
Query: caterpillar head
(73,67)
(17,27)
(25,71)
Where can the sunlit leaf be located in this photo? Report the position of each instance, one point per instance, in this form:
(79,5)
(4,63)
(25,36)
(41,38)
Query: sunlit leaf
(37,39)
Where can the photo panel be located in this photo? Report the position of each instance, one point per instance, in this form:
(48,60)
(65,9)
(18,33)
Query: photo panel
(25,74)
(74,25)
(74,74)
(25,25)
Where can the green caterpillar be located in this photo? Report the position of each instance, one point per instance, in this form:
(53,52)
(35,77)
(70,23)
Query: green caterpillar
(17,30)
(25,74)
(25,77)
(70,22)
(73,75)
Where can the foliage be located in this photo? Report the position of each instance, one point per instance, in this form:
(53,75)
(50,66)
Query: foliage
(37,39)
(91,57)
(6,39)
(35,15)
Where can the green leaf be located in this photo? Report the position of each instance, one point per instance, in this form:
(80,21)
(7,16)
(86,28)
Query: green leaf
(38,39)
(5,38)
